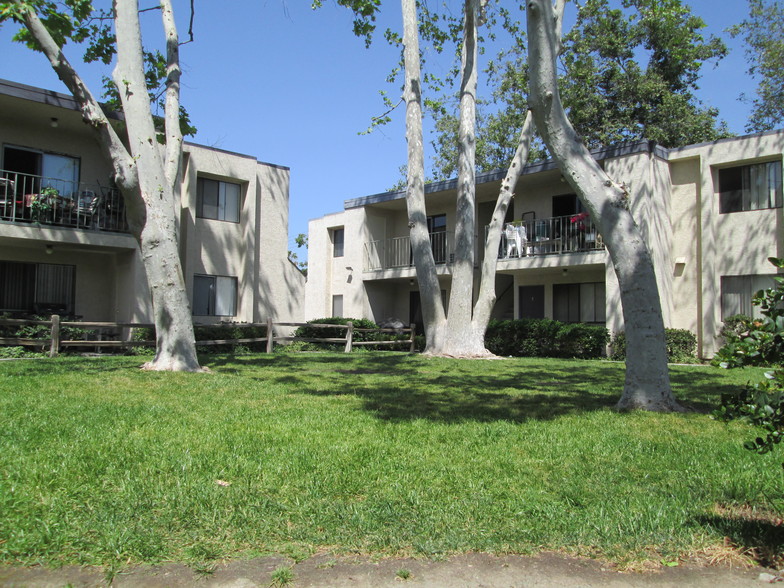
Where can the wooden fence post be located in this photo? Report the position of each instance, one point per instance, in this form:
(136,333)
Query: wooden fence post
(349,336)
(270,334)
(412,326)
(55,345)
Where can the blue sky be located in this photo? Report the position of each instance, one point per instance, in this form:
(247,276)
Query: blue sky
(276,80)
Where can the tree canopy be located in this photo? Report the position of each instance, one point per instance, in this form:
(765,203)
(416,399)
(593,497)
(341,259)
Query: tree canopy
(626,74)
(763,32)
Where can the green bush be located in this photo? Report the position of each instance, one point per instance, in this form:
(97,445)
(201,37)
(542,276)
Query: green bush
(681,346)
(43,332)
(761,405)
(545,338)
(756,342)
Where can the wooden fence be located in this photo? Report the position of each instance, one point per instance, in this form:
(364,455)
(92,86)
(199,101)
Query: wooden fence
(106,334)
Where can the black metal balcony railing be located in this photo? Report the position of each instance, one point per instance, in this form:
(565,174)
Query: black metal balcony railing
(396,252)
(25,198)
(559,234)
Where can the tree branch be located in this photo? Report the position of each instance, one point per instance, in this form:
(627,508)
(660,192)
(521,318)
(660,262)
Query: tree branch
(91,110)
(172,107)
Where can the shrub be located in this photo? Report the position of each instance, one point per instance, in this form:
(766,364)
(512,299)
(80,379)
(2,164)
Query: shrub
(545,338)
(756,342)
(681,346)
(761,405)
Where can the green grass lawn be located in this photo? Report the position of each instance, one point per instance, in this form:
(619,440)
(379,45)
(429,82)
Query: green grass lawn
(380,453)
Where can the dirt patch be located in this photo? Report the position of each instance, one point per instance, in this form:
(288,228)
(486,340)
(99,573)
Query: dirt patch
(327,571)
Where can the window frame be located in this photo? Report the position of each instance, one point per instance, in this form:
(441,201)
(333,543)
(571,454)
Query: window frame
(338,237)
(577,300)
(752,283)
(221,203)
(212,295)
(740,194)
(32,282)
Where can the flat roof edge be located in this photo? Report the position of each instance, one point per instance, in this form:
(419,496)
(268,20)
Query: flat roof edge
(530,168)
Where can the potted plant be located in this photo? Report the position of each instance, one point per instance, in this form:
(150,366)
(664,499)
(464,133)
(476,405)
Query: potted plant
(42,204)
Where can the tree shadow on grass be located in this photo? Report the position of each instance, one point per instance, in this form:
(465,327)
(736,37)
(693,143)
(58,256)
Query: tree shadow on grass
(760,537)
(398,387)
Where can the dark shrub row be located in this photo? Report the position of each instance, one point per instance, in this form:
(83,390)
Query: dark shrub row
(681,346)
(546,338)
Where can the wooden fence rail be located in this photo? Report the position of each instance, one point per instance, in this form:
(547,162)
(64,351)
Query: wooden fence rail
(54,342)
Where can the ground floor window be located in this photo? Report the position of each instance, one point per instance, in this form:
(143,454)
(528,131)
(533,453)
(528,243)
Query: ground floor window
(737,292)
(40,288)
(214,296)
(337,305)
(579,303)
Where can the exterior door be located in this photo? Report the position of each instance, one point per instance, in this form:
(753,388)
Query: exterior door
(532,302)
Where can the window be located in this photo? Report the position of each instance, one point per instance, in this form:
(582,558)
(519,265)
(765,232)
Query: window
(436,226)
(750,187)
(579,303)
(337,244)
(218,200)
(44,288)
(214,296)
(56,171)
(337,305)
(737,292)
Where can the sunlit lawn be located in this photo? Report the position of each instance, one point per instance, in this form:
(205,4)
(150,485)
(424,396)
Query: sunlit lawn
(380,453)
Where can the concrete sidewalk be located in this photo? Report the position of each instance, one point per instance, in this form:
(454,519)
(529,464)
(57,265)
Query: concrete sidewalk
(465,571)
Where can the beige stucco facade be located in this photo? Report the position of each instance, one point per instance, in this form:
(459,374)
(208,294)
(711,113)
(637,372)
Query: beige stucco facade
(109,282)
(674,198)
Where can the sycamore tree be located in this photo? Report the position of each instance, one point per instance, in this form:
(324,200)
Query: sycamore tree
(763,32)
(461,332)
(628,71)
(146,164)
(647,384)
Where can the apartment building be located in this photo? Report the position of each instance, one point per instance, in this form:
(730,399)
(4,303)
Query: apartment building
(711,215)
(65,246)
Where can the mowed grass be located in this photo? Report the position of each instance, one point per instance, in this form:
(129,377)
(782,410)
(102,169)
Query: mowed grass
(376,453)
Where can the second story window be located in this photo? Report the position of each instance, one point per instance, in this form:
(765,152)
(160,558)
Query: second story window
(337,243)
(750,187)
(218,200)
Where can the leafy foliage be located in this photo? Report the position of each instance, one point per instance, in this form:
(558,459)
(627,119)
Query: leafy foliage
(628,74)
(372,334)
(763,32)
(756,342)
(80,22)
(761,405)
(545,338)
(681,346)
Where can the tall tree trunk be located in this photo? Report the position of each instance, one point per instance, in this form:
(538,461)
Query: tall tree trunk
(647,384)
(429,289)
(175,345)
(462,334)
(175,342)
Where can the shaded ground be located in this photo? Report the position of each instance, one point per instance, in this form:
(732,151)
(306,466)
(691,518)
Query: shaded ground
(470,570)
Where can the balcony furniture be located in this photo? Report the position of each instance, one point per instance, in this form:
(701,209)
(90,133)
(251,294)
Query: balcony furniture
(8,202)
(514,241)
(86,210)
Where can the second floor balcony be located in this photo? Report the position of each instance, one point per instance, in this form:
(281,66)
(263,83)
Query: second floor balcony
(26,198)
(556,235)
(396,252)
(560,234)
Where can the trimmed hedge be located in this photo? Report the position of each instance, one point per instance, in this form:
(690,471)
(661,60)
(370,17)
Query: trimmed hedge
(546,338)
(681,346)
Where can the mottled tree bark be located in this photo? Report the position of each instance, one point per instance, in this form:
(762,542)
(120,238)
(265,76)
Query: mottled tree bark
(147,181)
(647,384)
(461,331)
